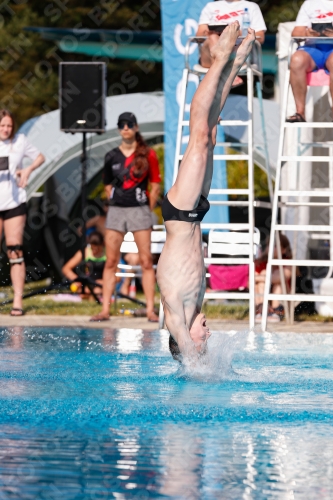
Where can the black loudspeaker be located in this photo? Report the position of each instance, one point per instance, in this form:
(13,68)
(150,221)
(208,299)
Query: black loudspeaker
(82,89)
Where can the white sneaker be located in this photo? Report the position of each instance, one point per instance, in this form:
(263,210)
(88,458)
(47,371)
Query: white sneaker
(258,313)
(273,318)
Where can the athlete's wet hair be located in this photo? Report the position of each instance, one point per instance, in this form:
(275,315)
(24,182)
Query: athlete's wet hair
(174,349)
(5,112)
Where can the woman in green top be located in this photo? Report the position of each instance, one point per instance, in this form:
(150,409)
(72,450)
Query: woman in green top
(95,259)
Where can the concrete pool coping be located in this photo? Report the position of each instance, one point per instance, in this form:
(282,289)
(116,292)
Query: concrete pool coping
(117,322)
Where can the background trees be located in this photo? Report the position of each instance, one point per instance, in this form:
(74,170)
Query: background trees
(29,64)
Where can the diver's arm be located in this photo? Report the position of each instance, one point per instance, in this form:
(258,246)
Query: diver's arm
(176,324)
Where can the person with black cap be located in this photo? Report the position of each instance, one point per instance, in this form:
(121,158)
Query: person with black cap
(128,169)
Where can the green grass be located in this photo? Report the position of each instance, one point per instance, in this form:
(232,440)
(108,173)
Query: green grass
(226,311)
(43,305)
(314,317)
(237,175)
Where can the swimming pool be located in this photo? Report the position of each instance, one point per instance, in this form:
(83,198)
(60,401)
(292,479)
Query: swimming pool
(108,414)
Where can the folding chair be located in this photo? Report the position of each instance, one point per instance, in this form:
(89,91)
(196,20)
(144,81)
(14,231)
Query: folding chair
(299,197)
(158,237)
(232,248)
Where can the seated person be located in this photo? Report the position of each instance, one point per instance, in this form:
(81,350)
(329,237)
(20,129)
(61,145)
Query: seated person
(97,223)
(276,310)
(95,257)
(312,56)
(225,12)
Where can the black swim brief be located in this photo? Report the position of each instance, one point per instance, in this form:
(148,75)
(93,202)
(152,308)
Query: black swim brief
(169,212)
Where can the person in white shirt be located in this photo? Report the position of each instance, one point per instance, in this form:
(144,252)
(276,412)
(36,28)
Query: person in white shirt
(13,180)
(225,12)
(312,56)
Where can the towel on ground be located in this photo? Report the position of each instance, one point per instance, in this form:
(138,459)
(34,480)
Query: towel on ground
(228,277)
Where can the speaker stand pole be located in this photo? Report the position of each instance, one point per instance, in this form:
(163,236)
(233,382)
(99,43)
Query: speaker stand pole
(83,193)
(86,282)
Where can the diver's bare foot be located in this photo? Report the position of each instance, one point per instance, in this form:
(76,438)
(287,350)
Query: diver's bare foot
(222,46)
(245,48)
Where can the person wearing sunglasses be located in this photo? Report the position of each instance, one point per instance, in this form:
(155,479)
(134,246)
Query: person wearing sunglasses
(128,171)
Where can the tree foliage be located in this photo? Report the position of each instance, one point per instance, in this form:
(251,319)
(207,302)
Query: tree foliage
(278,11)
(29,64)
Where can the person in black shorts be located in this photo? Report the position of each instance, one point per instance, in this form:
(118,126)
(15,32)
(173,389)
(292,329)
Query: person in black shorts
(128,170)
(181,273)
(13,180)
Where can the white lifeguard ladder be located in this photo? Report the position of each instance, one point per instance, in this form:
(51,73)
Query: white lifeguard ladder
(252,67)
(299,197)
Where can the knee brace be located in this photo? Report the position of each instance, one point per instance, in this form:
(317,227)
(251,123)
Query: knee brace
(16,249)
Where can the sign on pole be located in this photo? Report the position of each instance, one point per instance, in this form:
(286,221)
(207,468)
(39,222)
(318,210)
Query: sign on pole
(179,21)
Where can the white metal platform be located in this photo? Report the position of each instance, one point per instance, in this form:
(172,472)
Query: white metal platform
(300,198)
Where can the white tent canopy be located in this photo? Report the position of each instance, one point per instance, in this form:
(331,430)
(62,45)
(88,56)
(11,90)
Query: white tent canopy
(62,151)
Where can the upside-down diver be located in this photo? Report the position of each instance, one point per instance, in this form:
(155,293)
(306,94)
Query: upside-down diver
(181,273)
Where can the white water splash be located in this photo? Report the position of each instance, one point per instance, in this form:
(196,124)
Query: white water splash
(216,364)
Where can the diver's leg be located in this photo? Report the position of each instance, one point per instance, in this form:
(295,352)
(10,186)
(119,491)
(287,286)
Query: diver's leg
(194,176)
(209,166)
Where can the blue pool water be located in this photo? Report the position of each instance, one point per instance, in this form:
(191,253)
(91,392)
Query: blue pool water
(95,414)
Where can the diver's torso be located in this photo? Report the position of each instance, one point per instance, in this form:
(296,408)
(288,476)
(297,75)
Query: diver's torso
(181,271)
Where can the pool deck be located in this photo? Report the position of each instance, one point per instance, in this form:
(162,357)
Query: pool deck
(141,323)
